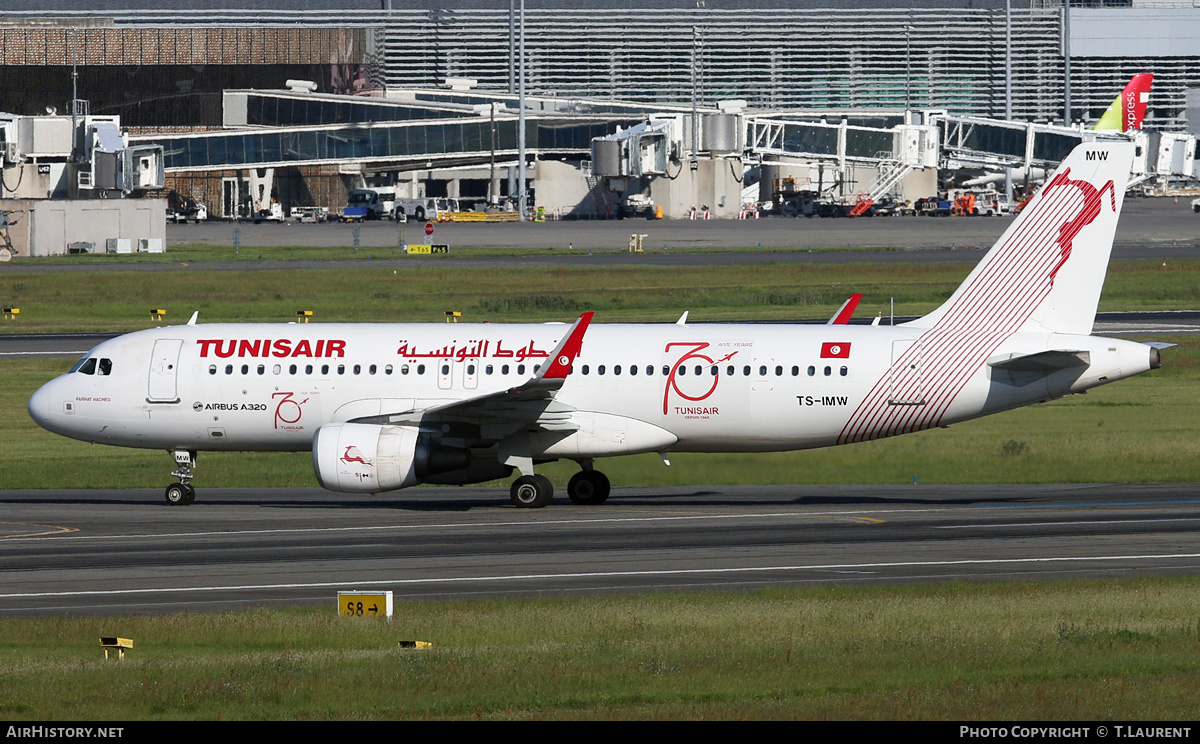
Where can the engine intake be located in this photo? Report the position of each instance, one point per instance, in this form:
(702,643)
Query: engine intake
(368,458)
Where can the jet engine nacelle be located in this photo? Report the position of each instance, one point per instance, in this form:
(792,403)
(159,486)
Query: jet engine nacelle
(367,458)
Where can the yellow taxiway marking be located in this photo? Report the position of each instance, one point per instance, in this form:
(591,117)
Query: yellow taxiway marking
(868,520)
(45,529)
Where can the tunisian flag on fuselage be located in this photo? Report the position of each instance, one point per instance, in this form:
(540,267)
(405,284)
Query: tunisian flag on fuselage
(835,351)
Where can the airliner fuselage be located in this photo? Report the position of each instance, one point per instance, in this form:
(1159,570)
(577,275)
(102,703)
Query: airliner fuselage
(641,387)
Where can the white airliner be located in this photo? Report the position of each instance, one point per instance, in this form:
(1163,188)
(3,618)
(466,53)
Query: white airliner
(386,406)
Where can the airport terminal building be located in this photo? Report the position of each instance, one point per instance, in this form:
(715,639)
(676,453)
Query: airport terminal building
(166,67)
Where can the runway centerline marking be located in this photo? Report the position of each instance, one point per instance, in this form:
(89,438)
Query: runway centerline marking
(599,574)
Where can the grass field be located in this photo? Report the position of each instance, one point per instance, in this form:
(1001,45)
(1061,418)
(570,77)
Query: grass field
(1102,651)
(120,301)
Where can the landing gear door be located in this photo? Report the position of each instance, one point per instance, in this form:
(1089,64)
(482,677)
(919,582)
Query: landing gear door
(164,371)
(906,381)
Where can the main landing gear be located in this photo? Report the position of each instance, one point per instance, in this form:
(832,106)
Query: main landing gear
(182,493)
(586,487)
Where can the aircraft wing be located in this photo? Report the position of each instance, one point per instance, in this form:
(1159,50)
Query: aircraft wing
(530,405)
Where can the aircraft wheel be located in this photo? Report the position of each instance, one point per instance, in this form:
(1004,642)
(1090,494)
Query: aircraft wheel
(588,487)
(531,491)
(180,494)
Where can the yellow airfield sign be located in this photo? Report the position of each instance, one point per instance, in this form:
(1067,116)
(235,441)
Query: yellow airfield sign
(365,604)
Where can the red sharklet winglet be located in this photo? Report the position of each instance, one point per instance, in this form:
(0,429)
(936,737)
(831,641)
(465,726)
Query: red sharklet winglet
(842,316)
(564,354)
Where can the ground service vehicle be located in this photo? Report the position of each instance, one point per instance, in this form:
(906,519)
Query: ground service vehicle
(425,208)
(364,204)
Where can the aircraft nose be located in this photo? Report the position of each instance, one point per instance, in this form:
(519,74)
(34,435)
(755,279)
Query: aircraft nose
(41,406)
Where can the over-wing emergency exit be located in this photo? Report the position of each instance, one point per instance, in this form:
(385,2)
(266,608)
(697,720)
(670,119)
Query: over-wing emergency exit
(386,406)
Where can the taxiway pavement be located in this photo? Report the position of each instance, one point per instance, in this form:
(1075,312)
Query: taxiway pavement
(113,552)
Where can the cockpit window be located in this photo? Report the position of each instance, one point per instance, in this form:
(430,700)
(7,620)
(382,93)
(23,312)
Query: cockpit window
(93,366)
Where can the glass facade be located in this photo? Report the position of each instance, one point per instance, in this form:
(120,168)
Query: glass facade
(371,142)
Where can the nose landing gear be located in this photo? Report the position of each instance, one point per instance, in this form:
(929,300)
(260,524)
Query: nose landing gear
(182,493)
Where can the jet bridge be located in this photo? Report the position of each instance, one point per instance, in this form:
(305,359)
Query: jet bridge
(1028,148)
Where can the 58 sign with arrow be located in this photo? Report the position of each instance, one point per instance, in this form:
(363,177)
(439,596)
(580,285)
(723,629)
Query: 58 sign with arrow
(365,604)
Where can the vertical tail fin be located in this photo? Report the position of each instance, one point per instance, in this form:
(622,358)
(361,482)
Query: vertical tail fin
(1127,110)
(1046,271)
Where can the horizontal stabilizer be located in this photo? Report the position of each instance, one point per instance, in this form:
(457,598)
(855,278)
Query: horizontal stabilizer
(1041,361)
